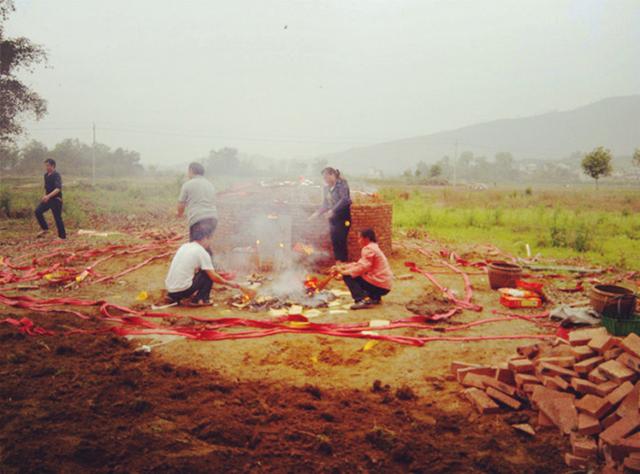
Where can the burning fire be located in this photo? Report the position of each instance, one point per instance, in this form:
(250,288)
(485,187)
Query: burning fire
(311,284)
(303,249)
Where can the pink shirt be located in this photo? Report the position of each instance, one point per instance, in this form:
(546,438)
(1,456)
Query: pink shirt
(372,266)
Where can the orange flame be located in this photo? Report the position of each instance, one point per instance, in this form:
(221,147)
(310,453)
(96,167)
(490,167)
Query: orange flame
(305,249)
(311,284)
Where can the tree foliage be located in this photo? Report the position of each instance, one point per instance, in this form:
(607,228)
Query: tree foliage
(223,162)
(16,99)
(435,171)
(597,163)
(636,157)
(73,158)
(9,156)
(504,160)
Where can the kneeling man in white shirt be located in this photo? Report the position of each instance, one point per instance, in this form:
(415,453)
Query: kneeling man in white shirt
(191,274)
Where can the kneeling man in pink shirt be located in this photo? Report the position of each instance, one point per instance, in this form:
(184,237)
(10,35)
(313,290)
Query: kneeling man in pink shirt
(368,279)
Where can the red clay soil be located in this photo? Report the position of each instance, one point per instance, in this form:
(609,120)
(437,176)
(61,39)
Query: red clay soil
(93,404)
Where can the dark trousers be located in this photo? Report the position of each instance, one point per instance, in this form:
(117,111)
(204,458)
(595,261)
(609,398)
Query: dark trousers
(339,232)
(56,209)
(202,225)
(201,286)
(361,289)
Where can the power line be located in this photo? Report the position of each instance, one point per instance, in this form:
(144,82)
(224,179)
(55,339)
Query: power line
(310,140)
(344,140)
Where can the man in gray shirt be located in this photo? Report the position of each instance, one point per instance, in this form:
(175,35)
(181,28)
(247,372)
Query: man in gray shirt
(198,198)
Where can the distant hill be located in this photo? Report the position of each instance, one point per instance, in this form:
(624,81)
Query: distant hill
(613,123)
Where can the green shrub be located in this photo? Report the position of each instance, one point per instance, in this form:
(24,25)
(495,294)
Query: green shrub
(557,236)
(5,202)
(582,241)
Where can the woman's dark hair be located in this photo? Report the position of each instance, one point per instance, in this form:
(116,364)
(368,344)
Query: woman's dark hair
(196,168)
(369,234)
(50,161)
(331,171)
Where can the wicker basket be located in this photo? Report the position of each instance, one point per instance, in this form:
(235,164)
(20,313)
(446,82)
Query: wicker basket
(622,327)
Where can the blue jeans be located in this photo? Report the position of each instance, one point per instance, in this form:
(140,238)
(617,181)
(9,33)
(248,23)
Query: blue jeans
(55,205)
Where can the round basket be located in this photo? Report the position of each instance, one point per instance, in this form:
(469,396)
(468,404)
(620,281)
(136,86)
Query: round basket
(613,301)
(503,275)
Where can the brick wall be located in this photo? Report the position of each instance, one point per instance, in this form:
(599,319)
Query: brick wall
(236,215)
(375,215)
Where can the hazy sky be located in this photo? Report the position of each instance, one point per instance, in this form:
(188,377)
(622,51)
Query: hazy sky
(286,78)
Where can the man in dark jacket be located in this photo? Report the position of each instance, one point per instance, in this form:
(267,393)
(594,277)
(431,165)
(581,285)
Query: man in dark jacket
(52,199)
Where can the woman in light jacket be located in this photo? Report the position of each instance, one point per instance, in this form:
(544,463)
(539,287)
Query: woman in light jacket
(368,279)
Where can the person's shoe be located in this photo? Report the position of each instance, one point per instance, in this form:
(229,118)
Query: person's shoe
(197,304)
(166,299)
(376,300)
(41,234)
(363,304)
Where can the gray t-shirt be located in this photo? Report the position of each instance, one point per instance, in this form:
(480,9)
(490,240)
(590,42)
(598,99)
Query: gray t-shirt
(199,195)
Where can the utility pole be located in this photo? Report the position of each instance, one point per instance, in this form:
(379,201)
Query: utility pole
(93,157)
(455,165)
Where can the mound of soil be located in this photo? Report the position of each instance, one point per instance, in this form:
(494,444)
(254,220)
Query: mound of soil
(432,301)
(89,403)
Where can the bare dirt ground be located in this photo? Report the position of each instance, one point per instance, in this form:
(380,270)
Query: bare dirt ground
(288,403)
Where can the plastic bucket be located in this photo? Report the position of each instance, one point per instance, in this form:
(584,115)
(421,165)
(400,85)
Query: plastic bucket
(503,275)
(622,327)
(613,301)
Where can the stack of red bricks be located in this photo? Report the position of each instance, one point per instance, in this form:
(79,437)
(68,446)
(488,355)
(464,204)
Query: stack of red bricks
(588,389)
(376,215)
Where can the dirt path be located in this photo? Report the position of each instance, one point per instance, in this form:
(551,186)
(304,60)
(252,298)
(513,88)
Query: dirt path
(274,404)
(82,404)
(342,362)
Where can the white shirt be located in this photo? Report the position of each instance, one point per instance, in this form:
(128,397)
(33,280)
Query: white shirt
(188,260)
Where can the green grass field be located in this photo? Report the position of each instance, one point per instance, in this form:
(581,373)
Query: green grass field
(18,198)
(111,196)
(600,226)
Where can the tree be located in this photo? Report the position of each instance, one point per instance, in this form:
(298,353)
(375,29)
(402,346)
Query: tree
(445,166)
(504,160)
(435,171)
(597,164)
(636,157)
(32,157)
(16,98)
(75,158)
(224,161)
(466,157)
(422,169)
(9,156)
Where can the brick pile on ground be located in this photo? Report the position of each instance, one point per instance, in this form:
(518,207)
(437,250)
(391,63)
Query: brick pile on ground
(587,387)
